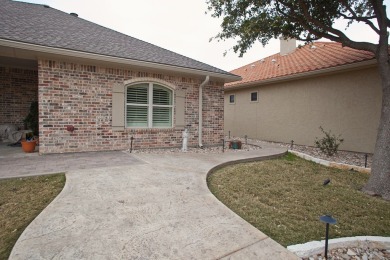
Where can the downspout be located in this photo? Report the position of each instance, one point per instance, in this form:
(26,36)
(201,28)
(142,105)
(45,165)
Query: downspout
(200,126)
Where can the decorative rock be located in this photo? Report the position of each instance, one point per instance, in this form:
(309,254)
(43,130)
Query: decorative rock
(354,253)
(346,157)
(350,252)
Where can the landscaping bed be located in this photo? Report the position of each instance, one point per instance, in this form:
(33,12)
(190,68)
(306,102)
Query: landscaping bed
(345,157)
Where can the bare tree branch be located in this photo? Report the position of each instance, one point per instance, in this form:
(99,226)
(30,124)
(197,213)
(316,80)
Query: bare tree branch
(354,16)
(360,19)
(342,38)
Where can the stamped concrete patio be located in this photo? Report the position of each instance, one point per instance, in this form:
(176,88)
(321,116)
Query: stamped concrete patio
(154,206)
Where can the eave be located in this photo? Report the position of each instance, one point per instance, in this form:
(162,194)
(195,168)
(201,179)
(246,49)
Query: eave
(122,61)
(331,70)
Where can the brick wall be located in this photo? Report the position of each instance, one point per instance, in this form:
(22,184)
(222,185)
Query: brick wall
(81,95)
(18,88)
(213,114)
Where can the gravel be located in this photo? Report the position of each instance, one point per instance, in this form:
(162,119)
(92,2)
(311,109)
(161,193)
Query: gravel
(353,253)
(213,149)
(345,157)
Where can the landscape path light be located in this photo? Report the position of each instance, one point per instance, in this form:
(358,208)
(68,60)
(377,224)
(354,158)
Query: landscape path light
(329,221)
(365,160)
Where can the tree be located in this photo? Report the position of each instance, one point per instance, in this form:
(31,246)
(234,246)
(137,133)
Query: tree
(249,21)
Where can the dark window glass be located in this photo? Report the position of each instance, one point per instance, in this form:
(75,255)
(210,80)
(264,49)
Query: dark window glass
(254,96)
(231,98)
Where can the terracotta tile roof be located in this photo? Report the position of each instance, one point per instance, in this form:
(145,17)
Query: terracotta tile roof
(319,55)
(45,26)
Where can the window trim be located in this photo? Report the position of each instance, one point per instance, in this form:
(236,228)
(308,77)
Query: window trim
(234,99)
(150,105)
(257,97)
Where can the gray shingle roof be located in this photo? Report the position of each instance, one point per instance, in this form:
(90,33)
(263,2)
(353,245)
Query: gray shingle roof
(40,25)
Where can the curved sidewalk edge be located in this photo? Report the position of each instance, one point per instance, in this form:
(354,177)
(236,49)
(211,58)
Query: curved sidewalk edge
(341,166)
(265,248)
(317,247)
(245,160)
(160,209)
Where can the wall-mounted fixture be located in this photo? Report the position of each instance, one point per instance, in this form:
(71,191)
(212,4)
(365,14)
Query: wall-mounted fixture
(70,128)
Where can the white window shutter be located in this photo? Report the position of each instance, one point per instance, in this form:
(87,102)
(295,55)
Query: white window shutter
(180,108)
(137,106)
(118,107)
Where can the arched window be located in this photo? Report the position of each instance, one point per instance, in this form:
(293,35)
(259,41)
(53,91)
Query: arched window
(149,105)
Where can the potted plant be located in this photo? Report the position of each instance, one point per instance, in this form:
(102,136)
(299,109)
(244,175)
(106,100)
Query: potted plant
(31,123)
(28,144)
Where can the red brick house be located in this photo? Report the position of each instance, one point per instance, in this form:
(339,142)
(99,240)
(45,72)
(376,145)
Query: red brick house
(107,85)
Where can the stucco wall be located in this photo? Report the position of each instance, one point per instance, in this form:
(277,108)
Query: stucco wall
(81,95)
(18,88)
(346,103)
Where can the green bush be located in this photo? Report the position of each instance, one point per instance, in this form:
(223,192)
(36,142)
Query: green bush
(32,119)
(329,144)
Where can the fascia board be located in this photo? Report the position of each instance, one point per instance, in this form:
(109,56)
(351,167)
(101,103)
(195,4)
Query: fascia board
(79,54)
(332,70)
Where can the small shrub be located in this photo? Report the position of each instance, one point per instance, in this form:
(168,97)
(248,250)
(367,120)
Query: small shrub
(329,144)
(32,119)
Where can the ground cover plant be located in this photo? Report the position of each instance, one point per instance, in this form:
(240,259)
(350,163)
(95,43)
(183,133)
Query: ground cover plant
(285,197)
(21,200)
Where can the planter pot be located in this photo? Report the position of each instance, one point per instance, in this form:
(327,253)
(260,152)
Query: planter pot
(28,147)
(235,144)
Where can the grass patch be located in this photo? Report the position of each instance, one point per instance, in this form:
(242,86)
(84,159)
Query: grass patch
(285,197)
(21,200)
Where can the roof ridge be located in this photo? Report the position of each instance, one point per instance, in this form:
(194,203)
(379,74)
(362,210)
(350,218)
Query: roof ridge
(31,23)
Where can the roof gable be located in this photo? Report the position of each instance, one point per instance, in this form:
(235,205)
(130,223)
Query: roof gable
(309,58)
(45,26)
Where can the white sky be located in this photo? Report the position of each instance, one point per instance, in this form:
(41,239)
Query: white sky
(181,26)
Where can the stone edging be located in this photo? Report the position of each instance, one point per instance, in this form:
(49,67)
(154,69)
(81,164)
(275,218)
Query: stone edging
(317,247)
(250,159)
(331,164)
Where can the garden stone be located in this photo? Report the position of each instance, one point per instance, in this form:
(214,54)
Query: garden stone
(351,252)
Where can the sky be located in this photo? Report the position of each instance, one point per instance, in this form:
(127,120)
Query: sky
(182,26)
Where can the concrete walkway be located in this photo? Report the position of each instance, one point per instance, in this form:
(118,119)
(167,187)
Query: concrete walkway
(157,208)
(24,164)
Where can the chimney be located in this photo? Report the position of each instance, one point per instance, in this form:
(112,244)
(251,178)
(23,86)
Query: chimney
(287,46)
